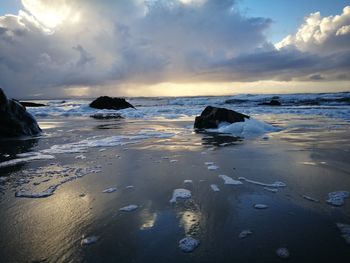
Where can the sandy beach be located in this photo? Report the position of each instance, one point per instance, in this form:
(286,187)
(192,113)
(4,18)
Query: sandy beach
(49,206)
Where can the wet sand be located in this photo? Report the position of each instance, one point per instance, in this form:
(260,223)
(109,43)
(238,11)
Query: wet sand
(310,155)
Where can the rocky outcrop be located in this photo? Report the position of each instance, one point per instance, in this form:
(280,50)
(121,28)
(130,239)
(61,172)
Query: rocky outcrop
(212,116)
(271,103)
(15,120)
(31,104)
(110,103)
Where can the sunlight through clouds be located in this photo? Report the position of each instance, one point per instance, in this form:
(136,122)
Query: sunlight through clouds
(51,47)
(51,13)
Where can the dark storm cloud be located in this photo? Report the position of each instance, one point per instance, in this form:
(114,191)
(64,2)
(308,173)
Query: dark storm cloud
(98,43)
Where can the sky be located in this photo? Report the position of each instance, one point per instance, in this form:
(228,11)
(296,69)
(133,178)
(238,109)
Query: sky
(88,48)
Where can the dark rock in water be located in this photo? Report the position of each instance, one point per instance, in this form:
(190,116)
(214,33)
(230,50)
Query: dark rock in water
(15,120)
(31,104)
(235,101)
(271,103)
(212,116)
(110,103)
(106,116)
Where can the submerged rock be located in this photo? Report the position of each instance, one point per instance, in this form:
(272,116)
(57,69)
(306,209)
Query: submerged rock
(15,120)
(273,102)
(211,117)
(110,103)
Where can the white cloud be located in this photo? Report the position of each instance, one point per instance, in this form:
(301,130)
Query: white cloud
(344,30)
(321,34)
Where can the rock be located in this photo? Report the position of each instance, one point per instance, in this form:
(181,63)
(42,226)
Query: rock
(31,104)
(110,103)
(212,116)
(15,120)
(273,102)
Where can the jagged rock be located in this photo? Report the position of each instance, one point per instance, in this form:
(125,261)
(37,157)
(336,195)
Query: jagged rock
(212,116)
(15,120)
(110,103)
(273,102)
(31,104)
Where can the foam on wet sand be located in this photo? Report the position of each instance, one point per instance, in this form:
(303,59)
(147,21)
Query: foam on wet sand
(188,181)
(89,240)
(213,167)
(53,172)
(249,128)
(229,180)
(282,252)
(275,184)
(26,157)
(309,198)
(109,190)
(345,231)
(272,190)
(188,244)
(29,194)
(260,206)
(337,198)
(245,233)
(128,208)
(215,188)
(180,194)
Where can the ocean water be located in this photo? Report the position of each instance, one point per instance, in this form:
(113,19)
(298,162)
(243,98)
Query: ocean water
(149,188)
(333,105)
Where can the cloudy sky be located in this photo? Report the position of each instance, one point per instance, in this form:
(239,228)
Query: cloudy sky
(62,48)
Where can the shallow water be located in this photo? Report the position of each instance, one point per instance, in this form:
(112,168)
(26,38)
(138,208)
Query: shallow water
(310,154)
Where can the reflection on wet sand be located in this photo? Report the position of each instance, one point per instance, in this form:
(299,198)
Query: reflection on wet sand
(51,228)
(47,228)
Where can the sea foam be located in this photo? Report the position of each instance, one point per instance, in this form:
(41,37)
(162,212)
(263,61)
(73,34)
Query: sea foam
(249,128)
(229,180)
(275,184)
(181,194)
